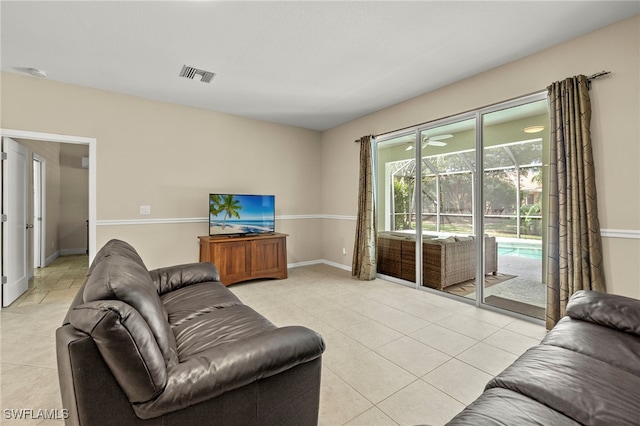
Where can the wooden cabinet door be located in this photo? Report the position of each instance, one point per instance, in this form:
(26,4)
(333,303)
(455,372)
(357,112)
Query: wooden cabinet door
(233,259)
(268,258)
(246,258)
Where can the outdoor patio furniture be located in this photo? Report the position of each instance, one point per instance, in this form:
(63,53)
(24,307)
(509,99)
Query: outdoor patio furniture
(446,260)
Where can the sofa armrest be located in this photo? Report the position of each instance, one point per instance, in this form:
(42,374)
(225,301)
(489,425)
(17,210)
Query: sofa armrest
(232,365)
(126,344)
(174,277)
(89,392)
(609,310)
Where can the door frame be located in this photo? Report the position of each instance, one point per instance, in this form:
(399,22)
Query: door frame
(92,143)
(477,193)
(39,217)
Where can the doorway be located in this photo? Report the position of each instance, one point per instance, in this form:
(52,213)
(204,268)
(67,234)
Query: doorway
(54,138)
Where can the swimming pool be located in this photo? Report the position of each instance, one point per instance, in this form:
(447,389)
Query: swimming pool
(528,250)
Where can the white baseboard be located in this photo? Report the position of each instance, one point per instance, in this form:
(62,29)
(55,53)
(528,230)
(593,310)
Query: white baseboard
(336,265)
(51,258)
(67,252)
(319,261)
(305,263)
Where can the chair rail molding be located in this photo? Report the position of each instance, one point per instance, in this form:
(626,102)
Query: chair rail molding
(620,233)
(155,221)
(606,233)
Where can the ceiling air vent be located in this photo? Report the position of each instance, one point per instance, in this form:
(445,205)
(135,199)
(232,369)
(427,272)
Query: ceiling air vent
(191,72)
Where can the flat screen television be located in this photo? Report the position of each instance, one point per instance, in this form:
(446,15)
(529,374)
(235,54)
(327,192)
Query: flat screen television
(240,214)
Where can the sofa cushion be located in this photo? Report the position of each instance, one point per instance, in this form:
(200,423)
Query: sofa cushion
(127,346)
(585,389)
(234,364)
(218,327)
(610,310)
(195,300)
(613,347)
(445,240)
(122,278)
(500,407)
(397,235)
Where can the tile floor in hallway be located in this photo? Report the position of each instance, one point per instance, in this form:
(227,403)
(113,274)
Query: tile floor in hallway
(394,355)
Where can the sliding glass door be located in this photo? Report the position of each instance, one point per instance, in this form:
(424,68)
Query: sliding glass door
(515,138)
(461,205)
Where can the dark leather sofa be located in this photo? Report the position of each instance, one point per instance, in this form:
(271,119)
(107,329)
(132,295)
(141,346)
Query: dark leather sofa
(586,371)
(173,346)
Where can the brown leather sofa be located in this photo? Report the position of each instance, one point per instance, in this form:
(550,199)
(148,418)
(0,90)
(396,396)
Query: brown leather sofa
(173,346)
(586,371)
(446,261)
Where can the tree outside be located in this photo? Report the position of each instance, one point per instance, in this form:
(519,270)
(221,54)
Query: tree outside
(402,197)
(500,202)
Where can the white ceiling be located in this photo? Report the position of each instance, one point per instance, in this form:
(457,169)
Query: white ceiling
(313,64)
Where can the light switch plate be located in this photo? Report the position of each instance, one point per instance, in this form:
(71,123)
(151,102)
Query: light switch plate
(145,209)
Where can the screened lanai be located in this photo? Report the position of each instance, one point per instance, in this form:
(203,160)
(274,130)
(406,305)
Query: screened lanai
(512,191)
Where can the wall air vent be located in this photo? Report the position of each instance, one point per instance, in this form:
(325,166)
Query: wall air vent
(191,72)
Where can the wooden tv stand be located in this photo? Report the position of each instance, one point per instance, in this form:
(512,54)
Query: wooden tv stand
(247,257)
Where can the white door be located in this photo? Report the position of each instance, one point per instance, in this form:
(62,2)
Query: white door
(14,228)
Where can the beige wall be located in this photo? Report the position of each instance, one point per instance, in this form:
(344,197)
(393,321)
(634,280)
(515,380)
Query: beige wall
(74,199)
(615,134)
(170,157)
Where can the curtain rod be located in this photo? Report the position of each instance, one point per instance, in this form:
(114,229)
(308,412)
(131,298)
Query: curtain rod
(358,140)
(453,115)
(589,78)
(598,75)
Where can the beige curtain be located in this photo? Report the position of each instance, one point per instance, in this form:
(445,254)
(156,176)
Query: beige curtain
(364,250)
(575,246)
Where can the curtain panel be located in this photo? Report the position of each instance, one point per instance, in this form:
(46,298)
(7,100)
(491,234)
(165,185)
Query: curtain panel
(364,251)
(574,260)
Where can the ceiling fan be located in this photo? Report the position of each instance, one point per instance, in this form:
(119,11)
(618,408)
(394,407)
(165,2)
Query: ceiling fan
(432,140)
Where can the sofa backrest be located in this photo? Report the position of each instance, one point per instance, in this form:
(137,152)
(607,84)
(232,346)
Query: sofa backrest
(121,309)
(118,247)
(426,238)
(121,278)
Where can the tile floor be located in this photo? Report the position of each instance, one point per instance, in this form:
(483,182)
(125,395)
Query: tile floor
(28,372)
(395,355)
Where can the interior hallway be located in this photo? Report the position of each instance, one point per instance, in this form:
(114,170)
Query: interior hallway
(58,281)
